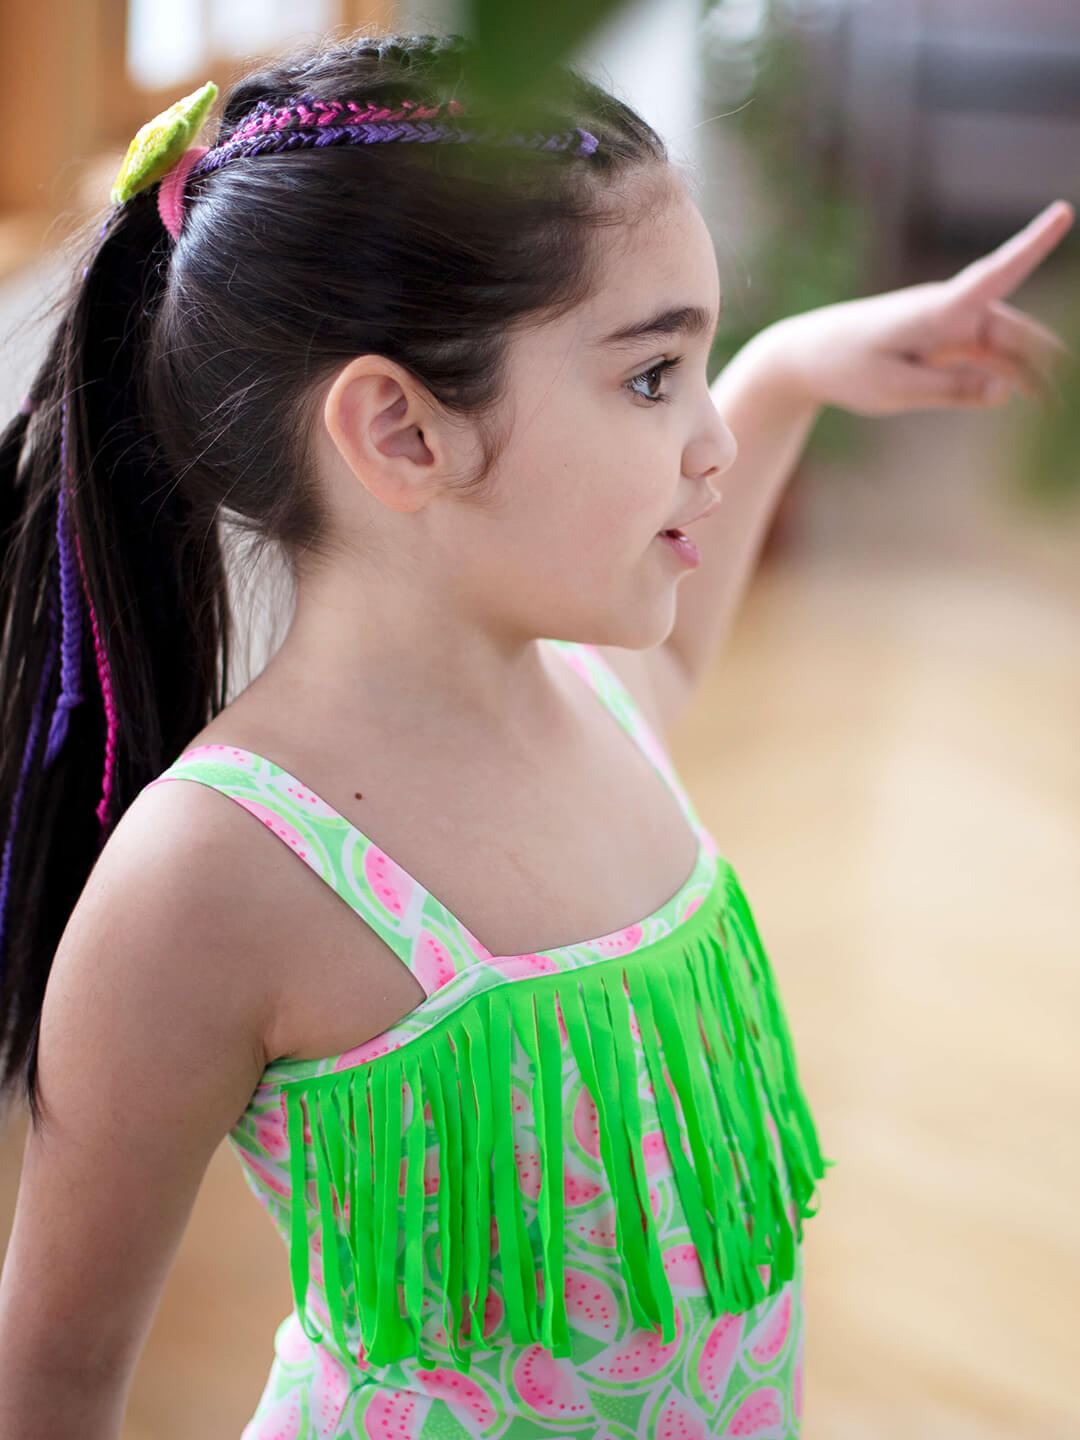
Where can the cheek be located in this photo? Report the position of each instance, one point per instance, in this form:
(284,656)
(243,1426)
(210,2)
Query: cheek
(596,484)
(615,535)
(639,503)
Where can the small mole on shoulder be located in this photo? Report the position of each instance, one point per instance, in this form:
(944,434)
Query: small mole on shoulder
(357,795)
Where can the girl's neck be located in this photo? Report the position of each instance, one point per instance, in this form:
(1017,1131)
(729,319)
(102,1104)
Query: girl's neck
(471,695)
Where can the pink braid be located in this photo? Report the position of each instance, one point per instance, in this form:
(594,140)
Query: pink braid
(102,810)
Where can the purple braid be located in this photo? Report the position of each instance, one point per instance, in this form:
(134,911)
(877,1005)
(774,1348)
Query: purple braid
(72,570)
(308,121)
(369,134)
(71,644)
(28,755)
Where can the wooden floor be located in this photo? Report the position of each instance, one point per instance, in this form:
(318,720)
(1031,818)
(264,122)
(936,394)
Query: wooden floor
(887,752)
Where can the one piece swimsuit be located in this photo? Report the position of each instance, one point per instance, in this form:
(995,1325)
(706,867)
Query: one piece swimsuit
(561,1197)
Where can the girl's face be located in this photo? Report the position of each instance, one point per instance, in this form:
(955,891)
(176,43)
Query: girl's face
(611,441)
(613,436)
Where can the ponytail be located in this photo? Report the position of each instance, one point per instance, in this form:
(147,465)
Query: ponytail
(114,613)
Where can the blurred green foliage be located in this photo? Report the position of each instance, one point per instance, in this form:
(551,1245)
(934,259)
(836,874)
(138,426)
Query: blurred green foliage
(518,46)
(1045,449)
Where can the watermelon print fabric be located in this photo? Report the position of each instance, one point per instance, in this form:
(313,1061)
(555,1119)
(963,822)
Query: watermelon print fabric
(654,1288)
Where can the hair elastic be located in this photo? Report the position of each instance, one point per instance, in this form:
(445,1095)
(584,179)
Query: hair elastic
(170,200)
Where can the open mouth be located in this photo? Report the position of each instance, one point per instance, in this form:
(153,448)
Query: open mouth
(681,545)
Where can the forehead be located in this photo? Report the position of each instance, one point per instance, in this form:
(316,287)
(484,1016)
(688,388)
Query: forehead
(657,275)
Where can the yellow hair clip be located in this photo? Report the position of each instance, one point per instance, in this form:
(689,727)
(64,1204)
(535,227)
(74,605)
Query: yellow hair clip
(159,144)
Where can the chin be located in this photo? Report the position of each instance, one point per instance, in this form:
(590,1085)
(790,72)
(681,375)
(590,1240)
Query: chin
(641,621)
(641,632)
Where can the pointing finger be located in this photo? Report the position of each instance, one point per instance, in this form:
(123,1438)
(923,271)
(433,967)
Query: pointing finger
(1003,269)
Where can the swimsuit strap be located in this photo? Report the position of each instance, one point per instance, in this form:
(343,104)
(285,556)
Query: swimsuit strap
(602,679)
(414,923)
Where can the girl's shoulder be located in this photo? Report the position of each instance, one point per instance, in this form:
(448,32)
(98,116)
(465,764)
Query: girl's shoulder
(176,865)
(272,922)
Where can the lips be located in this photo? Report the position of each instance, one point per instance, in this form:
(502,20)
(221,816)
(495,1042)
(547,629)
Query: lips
(676,531)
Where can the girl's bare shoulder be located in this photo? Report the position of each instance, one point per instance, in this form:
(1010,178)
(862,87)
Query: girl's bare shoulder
(250,924)
(186,910)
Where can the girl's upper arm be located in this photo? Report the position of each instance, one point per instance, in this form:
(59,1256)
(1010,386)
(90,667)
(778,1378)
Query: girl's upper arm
(150,1048)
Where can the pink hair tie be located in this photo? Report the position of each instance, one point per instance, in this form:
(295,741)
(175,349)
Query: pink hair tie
(171,190)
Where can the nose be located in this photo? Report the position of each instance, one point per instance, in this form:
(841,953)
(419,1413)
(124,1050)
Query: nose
(729,448)
(719,451)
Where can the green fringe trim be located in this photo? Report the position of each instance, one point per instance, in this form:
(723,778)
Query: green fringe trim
(706,1002)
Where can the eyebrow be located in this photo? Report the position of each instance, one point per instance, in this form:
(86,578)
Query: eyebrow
(690,320)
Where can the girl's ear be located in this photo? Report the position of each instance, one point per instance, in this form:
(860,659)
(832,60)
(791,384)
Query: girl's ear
(385,432)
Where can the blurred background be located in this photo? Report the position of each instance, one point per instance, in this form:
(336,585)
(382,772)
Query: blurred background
(886,749)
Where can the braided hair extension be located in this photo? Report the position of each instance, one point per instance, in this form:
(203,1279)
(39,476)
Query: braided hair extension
(309,121)
(70,695)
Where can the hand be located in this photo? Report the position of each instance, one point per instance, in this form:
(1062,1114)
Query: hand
(943,344)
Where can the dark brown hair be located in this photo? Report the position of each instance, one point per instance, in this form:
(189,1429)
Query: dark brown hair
(178,386)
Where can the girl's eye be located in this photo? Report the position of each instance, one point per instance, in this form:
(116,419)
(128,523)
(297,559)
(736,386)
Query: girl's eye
(657,370)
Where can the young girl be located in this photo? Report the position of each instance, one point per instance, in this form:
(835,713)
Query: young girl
(529,1183)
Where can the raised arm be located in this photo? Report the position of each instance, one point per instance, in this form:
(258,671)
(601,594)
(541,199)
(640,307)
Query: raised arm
(952,343)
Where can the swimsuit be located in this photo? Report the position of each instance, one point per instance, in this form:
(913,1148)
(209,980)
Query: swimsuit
(561,1197)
